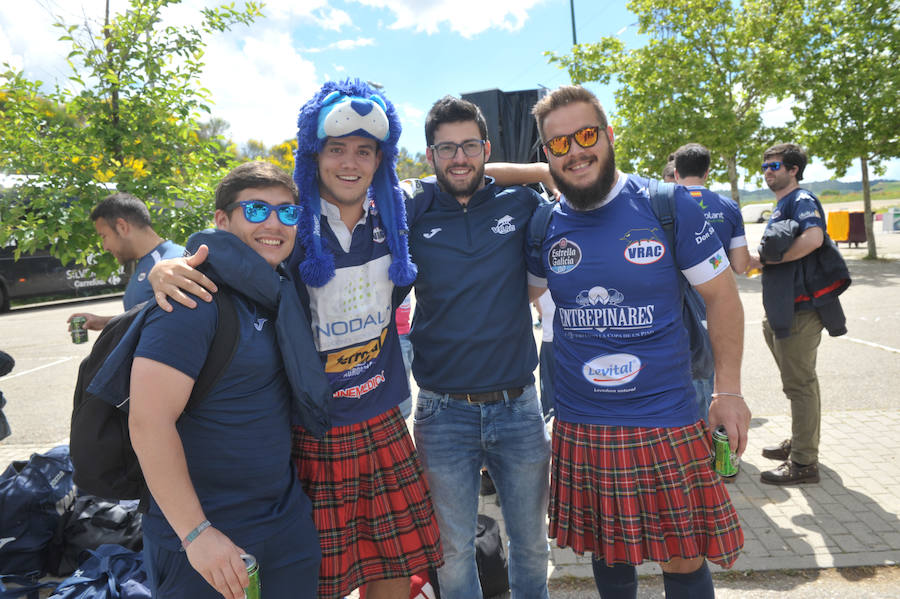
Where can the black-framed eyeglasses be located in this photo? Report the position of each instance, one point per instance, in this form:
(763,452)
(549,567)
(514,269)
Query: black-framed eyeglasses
(585,137)
(256,211)
(774,165)
(447,149)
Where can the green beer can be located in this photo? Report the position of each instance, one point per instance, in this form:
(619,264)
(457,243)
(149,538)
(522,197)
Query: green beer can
(726,461)
(253,590)
(76,328)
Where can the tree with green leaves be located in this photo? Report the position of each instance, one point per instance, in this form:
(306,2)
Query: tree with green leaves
(128,119)
(412,167)
(704,75)
(848,99)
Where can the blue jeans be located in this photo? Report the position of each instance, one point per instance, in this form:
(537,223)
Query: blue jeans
(454,439)
(703,389)
(406,349)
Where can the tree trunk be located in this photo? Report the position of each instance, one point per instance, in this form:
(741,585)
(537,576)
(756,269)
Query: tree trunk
(867,209)
(731,163)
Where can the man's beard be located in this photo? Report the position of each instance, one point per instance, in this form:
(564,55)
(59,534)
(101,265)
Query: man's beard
(468,190)
(585,198)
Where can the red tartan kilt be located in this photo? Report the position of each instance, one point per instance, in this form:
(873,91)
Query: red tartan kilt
(627,494)
(371,503)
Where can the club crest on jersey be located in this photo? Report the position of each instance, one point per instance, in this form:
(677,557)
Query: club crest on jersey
(644,246)
(564,256)
(612,370)
(378,235)
(504,225)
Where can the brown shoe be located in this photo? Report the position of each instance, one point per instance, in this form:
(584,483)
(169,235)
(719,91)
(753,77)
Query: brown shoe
(782,451)
(790,473)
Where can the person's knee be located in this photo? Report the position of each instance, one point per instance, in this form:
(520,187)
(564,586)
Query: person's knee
(678,565)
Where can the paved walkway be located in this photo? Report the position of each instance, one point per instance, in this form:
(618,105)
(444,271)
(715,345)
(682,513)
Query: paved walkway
(849,519)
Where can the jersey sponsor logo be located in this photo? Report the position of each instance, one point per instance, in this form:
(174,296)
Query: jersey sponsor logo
(601,309)
(644,246)
(431,233)
(260,322)
(809,214)
(564,256)
(714,217)
(356,356)
(716,261)
(698,194)
(704,233)
(504,225)
(358,391)
(412,187)
(378,235)
(644,251)
(612,370)
(337,328)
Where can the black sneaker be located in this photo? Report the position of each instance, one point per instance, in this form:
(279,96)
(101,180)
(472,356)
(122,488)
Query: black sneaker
(782,451)
(791,473)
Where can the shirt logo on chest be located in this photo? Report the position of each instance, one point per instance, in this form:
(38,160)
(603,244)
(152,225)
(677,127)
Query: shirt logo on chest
(260,322)
(504,225)
(431,233)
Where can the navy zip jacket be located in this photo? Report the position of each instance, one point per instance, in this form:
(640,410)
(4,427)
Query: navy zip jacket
(812,283)
(472,327)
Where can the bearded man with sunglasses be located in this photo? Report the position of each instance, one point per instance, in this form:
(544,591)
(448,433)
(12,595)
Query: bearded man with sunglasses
(632,476)
(795,317)
(474,353)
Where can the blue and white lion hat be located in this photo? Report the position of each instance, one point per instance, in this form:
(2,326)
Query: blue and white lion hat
(340,109)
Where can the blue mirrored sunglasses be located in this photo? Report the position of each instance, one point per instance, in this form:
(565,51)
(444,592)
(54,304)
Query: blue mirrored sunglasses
(256,211)
(774,165)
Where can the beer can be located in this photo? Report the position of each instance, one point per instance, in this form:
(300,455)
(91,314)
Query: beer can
(253,590)
(76,328)
(726,460)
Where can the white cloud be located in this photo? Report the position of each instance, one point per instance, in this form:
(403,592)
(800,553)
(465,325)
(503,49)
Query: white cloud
(412,118)
(465,17)
(343,45)
(258,83)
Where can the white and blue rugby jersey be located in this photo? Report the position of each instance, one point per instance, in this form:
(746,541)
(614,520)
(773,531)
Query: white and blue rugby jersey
(621,349)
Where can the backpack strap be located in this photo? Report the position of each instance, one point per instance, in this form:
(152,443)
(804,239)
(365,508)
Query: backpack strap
(221,351)
(662,200)
(537,227)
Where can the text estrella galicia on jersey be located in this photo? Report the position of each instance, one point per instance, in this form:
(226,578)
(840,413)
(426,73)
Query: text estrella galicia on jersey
(564,256)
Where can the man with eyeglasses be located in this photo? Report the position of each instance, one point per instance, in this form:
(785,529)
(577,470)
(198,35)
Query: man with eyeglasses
(633,476)
(474,353)
(220,473)
(800,299)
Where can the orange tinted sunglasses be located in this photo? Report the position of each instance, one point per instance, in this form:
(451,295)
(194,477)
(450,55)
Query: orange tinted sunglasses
(585,137)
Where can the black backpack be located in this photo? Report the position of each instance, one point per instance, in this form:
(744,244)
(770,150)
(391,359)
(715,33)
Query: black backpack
(100,445)
(662,200)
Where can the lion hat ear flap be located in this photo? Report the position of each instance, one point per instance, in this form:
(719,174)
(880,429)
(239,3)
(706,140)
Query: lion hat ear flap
(339,109)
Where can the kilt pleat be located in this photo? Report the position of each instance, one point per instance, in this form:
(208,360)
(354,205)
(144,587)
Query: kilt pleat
(371,503)
(627,494)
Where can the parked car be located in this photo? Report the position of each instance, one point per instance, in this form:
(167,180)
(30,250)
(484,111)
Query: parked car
(39,274)
(757,213)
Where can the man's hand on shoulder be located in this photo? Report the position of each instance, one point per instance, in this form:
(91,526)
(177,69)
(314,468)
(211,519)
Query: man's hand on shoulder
(176,277)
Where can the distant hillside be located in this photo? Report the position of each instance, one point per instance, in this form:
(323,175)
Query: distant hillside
(824,189)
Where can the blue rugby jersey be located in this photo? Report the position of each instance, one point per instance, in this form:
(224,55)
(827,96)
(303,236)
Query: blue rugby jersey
(622,353)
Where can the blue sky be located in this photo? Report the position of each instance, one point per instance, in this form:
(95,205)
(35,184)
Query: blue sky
(419,50)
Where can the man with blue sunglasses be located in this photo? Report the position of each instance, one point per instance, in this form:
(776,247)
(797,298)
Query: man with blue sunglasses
(802,275)
(220,473)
